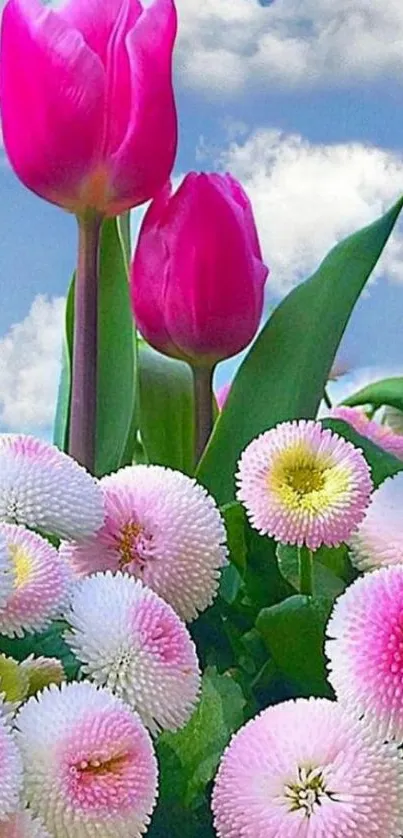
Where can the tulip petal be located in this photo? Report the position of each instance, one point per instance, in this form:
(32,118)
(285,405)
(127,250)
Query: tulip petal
(150,266)
(211,240)
(151,135)
(52,93)
(96,20)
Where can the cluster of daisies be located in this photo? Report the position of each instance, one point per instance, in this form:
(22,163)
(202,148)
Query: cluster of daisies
(126,562)
(314,768)
(138,555)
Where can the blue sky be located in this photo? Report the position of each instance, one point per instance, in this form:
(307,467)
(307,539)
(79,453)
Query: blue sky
(301,100)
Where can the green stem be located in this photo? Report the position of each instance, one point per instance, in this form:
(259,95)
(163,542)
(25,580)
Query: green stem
(203,400)
(305,571)
(85,344)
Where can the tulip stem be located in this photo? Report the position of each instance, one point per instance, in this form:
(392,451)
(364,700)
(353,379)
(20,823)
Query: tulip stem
(84,380)
(203,400)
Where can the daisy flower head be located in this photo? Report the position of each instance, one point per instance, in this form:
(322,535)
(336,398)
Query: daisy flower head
(10,768)
(378,541)
(162,527)
(381,435)
(47,490)
(302,484)
(7,572)
(23,825)
(365,650)
(305,769)
(143,652)
(42,582)
(89,763)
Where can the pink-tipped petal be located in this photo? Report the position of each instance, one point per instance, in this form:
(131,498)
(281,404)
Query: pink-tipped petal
(143,162)
(23,825)
(52,92)
(305,769)
(365,650)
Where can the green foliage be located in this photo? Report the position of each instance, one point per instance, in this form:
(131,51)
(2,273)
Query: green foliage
(389,392)
(116,358)
(189,759)
(326,582)
(285,372)
(166,410)
(294,633)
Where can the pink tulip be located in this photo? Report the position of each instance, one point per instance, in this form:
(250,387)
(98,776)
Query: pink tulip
(87,104)
(198,276)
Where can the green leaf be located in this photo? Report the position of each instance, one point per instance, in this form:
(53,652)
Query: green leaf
(61,423)
(294,633)
(382,463)
(166,410)
(116,358)
(326,582)
(49,644)
(285,372)
(235,522)
(189,759)
(116,354)
(388,391)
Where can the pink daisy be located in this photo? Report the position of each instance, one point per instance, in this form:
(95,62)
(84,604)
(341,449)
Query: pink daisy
(302,484)
(23,825)
(379,434)
(45,489)
(90,767)
(142,652)
(10,768)
(379,539)
(305,769)
(366,650)
(42,583)
(7,572)
(162,527)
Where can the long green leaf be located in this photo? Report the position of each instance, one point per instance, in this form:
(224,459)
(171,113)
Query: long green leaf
(116,354)
(166,400)
(284,374)
(61,423)
(116,358)
(389,391)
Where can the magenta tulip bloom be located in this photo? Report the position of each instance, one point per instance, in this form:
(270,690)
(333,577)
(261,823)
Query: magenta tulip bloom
(87,104)
(198,276)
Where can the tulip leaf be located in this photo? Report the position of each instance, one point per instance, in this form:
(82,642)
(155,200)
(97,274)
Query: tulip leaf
(61,424)
(116,358)
(166,409)
(285,372)
(389,391)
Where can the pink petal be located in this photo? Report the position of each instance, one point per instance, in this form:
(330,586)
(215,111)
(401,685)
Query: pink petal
(202,313)
(144,161)
(52,91)
(96,20)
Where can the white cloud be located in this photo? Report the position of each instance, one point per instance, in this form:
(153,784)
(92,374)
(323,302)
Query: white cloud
(224,44)
(29,367)
(307,197)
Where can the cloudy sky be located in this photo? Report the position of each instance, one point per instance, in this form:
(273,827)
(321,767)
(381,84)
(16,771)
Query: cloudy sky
(300,99)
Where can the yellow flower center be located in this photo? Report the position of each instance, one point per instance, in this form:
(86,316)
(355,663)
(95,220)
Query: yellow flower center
(306,793)
(309,482)
(23,564)
(127,545)
(101,767)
